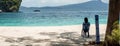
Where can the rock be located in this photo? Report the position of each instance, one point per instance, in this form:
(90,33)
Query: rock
(10,5)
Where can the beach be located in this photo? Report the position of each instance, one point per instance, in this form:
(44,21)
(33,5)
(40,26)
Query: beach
(43,35)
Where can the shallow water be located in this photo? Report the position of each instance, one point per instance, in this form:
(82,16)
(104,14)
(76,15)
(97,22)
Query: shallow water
(51,18)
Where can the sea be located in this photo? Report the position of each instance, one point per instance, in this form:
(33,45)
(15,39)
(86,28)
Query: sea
(51,18)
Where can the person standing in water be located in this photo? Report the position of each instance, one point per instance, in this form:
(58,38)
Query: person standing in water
(86,26)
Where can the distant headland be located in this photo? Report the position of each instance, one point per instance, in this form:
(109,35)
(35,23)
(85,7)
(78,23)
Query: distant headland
(93,5)
(10,5)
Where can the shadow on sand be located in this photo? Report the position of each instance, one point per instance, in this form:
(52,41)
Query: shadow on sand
(56,39)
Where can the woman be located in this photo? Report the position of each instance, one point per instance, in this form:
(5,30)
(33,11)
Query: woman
(86,26)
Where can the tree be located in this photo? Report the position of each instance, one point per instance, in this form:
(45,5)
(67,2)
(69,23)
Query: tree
(114,11)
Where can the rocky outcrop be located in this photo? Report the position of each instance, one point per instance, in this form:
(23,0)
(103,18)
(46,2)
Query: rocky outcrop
(10,5)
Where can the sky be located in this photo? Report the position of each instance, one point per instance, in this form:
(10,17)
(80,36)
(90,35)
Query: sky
(52,3)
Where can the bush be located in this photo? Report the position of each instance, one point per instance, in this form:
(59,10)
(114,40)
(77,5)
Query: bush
(114,38)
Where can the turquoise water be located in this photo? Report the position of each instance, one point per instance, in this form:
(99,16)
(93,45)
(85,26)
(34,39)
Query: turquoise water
(51,18)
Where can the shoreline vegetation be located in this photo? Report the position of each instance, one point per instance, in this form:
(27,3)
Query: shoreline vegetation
(10,5)
(47,36)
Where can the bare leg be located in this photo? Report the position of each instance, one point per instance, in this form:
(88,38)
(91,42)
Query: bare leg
(85,34)
(88,34)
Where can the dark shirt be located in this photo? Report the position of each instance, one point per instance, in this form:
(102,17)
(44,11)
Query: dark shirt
(86,27)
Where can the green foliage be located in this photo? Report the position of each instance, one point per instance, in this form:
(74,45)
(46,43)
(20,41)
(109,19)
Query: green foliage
(114,38)
(10,5)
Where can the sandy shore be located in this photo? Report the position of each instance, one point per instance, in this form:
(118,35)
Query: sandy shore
(41,32)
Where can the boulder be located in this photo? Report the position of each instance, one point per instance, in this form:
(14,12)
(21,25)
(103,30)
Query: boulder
(10,5)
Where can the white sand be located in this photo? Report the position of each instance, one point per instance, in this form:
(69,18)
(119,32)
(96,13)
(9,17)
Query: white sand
(15,31)
(32,31)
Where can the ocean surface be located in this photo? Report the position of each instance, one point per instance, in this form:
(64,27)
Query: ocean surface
(51,18)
